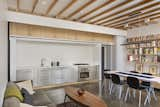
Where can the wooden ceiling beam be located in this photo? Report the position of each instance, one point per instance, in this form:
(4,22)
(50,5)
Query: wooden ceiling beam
(124,10)
(95,9)
(125,16)
(50,7)
(65,8)
(142,22)
(108,10)
(17,9)
(138,19)
(34,5)
(122,20)
(80,8)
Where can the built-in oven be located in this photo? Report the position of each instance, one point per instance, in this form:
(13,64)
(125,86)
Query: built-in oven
(86,72)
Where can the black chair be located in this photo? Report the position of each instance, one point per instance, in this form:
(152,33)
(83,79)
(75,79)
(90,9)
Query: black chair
(116,81)
(149,88)
(107,81)
(135,84)
(134,72)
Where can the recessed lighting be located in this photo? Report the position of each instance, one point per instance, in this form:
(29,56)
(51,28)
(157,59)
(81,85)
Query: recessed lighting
(43,2)
(147,20)
(126,25)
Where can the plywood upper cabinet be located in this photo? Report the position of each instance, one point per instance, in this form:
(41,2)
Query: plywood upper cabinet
(47,32)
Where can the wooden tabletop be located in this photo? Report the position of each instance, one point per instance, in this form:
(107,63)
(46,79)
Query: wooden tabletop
(87,98)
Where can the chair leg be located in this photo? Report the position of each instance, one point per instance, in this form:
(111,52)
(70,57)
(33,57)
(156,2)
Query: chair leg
(120,91)
(109,85)
(134,93)
(111,89)
(126,94)
(153,92)
(148,97)
(140,95)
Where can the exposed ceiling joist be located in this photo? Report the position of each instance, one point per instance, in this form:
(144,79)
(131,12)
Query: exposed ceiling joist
(50,7)
(110,13)
(137,19)
(17,5)
(80,8)
(95,9)
(126,15)
(141,14)
(141,22)
(34,5)
(65,8)
(108,10)
(124,10)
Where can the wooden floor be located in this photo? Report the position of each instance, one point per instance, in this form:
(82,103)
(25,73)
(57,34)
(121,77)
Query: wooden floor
(57,95)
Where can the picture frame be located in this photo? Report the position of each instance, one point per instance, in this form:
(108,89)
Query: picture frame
(139,67)
(153,69)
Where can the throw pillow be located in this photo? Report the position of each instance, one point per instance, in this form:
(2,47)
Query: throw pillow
(13,91)
(27,96)
(27,85)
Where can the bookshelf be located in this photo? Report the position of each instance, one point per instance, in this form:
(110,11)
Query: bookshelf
(144,51)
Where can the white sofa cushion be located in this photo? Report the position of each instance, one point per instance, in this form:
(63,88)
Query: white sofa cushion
(27,85)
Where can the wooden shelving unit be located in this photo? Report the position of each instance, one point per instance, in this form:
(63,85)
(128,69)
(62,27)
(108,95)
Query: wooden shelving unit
(145,53)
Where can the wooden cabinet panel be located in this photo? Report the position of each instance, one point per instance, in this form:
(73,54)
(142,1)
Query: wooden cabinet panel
(47,32)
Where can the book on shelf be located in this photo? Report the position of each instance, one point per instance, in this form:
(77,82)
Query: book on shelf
(139,67)
(158,54)
(153,69)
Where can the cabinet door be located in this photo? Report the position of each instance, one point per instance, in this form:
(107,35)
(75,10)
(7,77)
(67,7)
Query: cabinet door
(70,75)
(44,76)
(58,75)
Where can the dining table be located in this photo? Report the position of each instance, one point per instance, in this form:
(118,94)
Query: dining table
(140,76)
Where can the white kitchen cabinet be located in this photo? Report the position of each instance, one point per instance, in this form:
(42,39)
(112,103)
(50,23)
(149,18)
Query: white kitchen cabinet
(47,75)
(44,76)
(62,74)
(58,75)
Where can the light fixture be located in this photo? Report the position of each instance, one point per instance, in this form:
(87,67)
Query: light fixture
(147,20)
(43,2)
(126,25)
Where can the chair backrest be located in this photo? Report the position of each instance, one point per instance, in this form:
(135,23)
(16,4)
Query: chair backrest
(144,82)
(134,71)
(107,76)
(115,79)
(133,82)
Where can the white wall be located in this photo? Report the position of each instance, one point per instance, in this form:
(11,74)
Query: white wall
(30,53)
(152,29)
(3,49)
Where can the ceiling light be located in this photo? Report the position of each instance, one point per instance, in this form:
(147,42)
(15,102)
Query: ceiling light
(126,25)
(147,20)
(43,2)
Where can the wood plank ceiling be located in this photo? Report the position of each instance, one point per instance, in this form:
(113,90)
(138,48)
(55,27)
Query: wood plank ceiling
(121,14)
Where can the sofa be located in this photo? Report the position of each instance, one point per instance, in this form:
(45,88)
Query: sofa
(14,96)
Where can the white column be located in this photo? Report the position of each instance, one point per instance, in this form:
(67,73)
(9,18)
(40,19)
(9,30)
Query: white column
(13,58)
(120,53)
(3,49)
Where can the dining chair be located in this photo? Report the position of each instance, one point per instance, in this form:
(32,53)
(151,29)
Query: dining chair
(134,83)
(107,82)
(117,82)
(134,72)
(149,88)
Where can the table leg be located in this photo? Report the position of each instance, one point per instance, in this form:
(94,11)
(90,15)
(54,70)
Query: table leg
(65,100)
